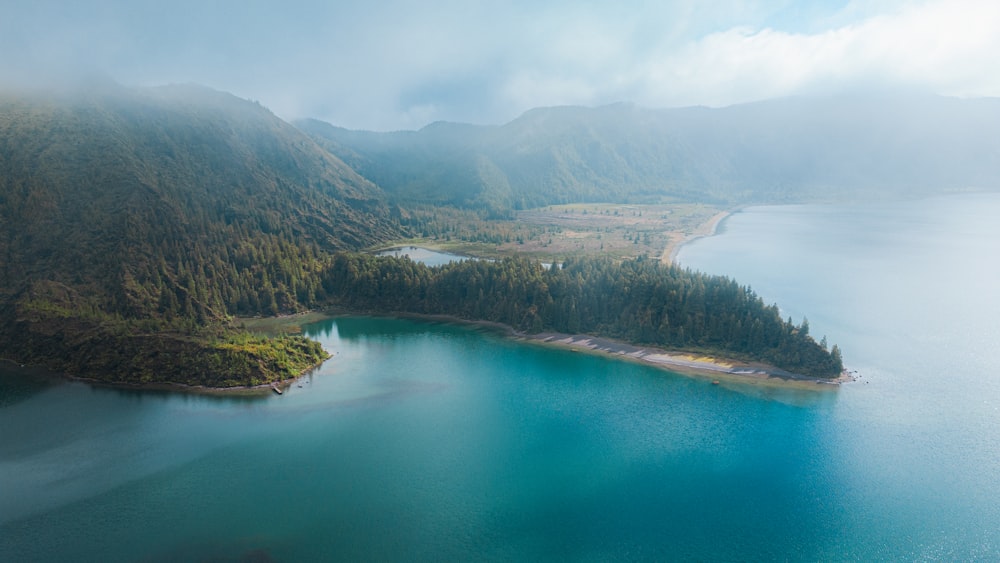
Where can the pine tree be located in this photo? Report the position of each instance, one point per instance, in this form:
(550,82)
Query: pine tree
(838,360)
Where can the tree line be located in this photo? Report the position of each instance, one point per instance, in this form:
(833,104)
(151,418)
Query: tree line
(641,301)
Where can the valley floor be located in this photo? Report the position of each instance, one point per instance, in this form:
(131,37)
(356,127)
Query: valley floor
(557,232)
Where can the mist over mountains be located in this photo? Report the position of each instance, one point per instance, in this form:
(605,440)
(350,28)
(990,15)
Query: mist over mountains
(110,183)
(135,223)
(779,151)
(103,183)
(117,183)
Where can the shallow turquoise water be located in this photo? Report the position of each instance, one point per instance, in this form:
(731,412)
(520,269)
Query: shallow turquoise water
(423,441)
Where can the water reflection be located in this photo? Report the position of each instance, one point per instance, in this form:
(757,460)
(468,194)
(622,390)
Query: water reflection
(19,383)
(424,255)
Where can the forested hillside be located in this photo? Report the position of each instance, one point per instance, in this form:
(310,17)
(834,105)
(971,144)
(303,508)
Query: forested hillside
(175,206)
(779,151)
(181,200)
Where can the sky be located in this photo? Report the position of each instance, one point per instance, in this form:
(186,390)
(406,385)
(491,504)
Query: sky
(400,64)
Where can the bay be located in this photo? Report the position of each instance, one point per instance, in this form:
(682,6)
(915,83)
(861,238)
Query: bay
(421,441)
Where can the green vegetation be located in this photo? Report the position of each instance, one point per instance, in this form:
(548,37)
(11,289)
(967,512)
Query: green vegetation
(555,233)
(641,301)
(54,326)
(135,224)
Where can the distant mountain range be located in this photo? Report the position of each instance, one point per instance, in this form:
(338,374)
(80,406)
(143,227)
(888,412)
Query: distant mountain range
(787,150)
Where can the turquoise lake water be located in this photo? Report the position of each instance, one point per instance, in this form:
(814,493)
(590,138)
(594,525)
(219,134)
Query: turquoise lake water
(423,441)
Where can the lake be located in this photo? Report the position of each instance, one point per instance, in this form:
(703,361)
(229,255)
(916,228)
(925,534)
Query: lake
(424,441)
(423,255)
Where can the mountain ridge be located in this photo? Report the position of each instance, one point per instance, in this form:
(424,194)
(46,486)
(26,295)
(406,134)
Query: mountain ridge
(789,150)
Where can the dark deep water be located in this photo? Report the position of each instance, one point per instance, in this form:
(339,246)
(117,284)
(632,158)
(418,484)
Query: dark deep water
(428,441)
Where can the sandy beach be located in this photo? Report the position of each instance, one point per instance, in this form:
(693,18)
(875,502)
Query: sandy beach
(704,367)
(677,239)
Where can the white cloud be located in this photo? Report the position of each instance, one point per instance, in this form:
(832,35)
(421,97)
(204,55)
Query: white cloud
(387,64)
(947,46)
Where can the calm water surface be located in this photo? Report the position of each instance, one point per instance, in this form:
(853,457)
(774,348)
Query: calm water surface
(423,441)
(423,255)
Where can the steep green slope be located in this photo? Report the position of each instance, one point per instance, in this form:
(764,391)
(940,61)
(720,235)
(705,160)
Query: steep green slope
(790,150)
(172,207)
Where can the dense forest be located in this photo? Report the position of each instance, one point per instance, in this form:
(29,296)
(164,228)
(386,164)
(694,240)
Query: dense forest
(51,327)
(179,199)
(641,301)
(135,224)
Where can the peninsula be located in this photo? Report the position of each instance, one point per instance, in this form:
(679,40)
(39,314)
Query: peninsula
(639,301)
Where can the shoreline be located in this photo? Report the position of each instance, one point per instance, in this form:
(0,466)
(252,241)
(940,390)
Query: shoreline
(678,240)
(269,326)
(687,364)
(684,363)
(255,390)
(264,389)
(690,364)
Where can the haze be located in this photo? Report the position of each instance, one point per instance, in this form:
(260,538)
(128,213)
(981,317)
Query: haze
(399,64)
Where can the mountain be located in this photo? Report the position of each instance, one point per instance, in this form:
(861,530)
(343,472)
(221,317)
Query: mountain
(787,150)
(134,223)
(132,184)
(161,211)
